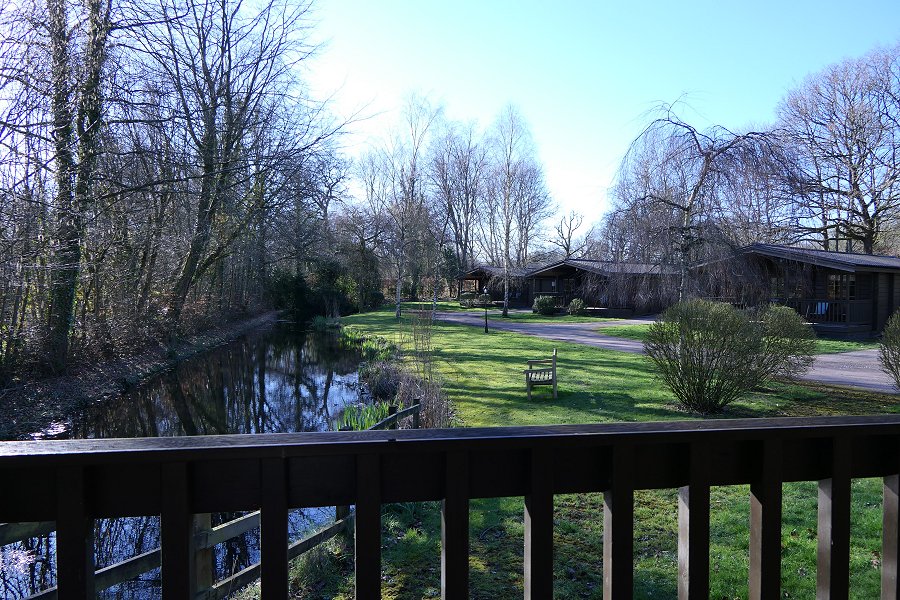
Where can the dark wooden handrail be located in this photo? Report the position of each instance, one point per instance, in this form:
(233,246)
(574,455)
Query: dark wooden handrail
(72,482)
(206,537)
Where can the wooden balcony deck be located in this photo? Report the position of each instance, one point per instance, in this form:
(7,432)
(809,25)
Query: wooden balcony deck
(73,482)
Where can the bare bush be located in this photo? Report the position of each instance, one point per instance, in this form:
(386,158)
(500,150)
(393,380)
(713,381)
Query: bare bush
(710,353)
(889,349)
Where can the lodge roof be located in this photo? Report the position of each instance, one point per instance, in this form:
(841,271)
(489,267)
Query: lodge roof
(598,267)
(843,261)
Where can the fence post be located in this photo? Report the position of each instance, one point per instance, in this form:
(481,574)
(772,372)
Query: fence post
(392,412)
(203,557)
(418,402)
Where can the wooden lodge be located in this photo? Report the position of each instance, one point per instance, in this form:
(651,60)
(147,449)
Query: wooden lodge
(842,294)
(636,287)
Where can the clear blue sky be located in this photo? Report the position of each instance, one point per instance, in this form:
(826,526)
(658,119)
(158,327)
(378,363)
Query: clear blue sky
(583,74)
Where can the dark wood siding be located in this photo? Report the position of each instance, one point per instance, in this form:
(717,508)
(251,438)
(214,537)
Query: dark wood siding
(882,299)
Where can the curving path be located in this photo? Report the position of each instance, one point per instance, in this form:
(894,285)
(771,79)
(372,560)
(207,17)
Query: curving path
(859,369)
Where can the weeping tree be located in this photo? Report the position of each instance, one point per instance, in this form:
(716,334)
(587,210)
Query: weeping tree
(674,182)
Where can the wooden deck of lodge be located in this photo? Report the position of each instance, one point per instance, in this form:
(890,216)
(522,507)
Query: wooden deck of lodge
(74,482)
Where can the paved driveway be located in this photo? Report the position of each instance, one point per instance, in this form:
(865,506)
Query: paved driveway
(860,369)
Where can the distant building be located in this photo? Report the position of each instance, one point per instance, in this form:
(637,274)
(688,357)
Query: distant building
(841,294)
(637,287)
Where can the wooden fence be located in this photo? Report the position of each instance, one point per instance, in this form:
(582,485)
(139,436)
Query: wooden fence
(73,482)
(205,538)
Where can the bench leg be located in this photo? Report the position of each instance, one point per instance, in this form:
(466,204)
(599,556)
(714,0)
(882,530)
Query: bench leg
(554,388)
(528,387)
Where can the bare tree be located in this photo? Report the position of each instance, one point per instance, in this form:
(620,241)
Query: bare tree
(565,234)
(458,169)
(842,126)
(677,173)
(233,92)
(516,198)
(76,105)
(396,180)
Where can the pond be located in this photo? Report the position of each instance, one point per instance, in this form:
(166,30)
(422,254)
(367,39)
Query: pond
(277,381)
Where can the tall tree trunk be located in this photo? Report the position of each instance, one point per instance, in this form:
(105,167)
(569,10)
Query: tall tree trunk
(73,174)
(67,247)
(206,211)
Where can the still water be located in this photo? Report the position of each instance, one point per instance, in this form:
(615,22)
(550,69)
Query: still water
(273,382)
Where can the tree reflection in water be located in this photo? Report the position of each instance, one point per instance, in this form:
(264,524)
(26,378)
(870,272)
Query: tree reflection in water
(276,382)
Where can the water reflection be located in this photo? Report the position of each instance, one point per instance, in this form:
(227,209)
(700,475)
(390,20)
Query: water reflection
(277,383)
(270,383)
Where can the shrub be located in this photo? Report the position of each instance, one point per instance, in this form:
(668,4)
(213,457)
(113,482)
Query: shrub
(889,349)
(319,323)
(467,299)
(576,306)
(788,343)
(544,305)
(484,300)
(710,354)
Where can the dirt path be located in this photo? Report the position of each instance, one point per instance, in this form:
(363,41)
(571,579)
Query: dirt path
(859,369)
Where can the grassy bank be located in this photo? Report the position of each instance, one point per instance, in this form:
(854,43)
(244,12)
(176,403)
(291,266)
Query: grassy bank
(482,376)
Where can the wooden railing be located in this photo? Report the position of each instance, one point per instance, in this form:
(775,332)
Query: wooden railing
(73,482)
(833,311)
(206,537)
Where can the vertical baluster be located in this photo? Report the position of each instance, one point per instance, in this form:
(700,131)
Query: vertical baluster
(765,524)
(74,537)
(368,526)
(693,528)
(273,529)
(890,543)
(178,574)
(833,568)
(618,526)
(455,528)
(539,527)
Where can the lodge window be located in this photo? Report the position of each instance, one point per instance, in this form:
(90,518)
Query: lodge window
(776,287)
(841,286)
(545,284)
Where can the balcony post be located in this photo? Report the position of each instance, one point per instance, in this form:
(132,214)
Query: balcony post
(765,524)
(368,526)
(177,532)
(74,537)
(833,564)
(455,528)
(890,544)
(693,528)
(539,527)
(618,527)
(274,528)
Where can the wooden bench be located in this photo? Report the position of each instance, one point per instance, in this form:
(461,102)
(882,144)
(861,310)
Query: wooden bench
(544,376)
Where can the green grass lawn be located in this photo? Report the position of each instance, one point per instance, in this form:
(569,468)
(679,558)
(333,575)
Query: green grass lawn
(482,376)
(496,313)
(442,305)
(536,318)
(823,346)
